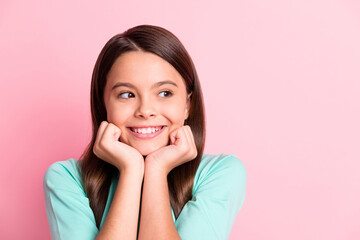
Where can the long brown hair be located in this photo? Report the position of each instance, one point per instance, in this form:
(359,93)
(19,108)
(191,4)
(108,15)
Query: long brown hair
(97,174)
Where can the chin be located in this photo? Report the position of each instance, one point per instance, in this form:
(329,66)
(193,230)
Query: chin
(146,150)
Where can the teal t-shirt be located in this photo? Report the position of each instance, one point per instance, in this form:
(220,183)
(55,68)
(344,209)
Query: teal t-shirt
(218,195)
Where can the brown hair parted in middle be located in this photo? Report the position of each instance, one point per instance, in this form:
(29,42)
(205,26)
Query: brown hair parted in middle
(97,174)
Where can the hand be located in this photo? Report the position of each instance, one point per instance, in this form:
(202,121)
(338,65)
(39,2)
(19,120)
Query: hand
(108,147)
(182,149)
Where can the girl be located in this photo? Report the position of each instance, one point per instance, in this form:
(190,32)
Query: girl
(144,174)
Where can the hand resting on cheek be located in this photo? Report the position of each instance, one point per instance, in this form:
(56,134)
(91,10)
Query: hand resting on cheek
(108,148)
(182,149)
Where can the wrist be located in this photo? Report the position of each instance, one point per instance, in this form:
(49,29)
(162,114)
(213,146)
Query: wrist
(133,169)
(154,167)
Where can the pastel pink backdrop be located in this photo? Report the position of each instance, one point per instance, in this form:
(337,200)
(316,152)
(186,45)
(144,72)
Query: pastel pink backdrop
(281,82)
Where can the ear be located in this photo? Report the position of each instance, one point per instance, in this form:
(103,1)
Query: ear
(188,105)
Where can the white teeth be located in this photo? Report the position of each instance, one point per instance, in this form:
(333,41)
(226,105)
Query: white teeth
(146,130)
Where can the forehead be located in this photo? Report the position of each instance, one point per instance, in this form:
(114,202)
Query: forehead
(142,69)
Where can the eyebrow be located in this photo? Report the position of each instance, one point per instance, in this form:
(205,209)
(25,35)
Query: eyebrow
(129,85)
(159,84)
(122,84)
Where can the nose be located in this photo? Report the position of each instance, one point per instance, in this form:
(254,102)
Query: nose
(145,109)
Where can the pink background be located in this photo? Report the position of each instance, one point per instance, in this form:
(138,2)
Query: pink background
(281,82)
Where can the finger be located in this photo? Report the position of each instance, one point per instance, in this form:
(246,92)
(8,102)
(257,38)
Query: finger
(191,141)
(190,135)
(117,131)
(101,130)
(187,132)
(184,135)
(180,136)
(172,139)
(112,132)
(99,135)
(173,136)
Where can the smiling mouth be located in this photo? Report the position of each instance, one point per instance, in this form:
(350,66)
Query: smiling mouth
(146,130)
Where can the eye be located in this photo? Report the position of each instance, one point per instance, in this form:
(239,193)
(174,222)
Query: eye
(165,94)
(126,95)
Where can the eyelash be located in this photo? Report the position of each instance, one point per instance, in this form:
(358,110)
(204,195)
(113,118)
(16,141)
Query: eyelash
(170,93)
(167,92)
(121,94)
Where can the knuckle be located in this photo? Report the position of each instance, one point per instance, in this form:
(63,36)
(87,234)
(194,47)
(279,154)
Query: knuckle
(95,150)
(96,144)
(101,145)
(194,152)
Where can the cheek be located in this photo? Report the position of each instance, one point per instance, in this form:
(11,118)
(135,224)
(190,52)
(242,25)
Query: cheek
(177,114)
(117,115)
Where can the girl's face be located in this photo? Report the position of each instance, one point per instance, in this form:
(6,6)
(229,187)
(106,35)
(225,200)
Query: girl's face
(146,98)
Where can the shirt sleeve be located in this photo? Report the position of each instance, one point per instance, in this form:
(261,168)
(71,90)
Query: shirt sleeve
(67,206)
(218,198)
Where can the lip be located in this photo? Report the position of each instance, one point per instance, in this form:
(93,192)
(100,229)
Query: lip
(147,135)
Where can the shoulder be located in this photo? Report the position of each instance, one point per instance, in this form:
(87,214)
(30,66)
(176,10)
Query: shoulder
(226,168)
(67,205)
(218,195)
(63,175)
(222,177)
(212,162)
